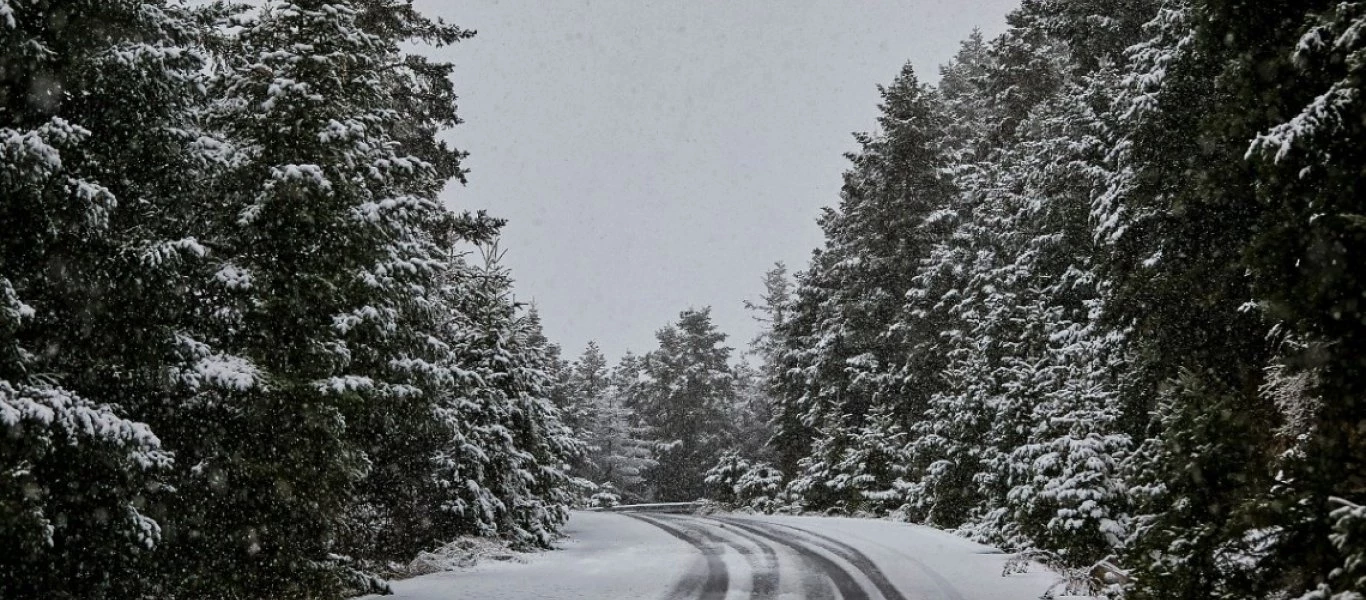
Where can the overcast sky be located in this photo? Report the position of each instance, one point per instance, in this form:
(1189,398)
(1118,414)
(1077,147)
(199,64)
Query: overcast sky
(652,156)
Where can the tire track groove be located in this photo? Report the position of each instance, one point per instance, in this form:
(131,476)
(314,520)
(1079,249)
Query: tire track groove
(717,580)
(765,582)
(943,584)
(844,582)
(849,553)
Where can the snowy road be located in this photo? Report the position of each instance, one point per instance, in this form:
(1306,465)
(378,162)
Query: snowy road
(625,556)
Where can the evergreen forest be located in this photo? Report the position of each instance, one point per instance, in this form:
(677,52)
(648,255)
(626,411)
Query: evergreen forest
(1096,296)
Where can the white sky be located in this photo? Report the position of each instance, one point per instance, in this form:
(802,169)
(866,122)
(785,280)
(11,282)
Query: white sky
(651,156)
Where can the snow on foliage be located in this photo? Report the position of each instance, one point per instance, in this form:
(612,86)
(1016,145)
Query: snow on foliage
(223,243)
(1336,37)
(227,372)
(1071,366)
(1347,581)
(1090,298)
(55,411)
(44,423)
(233,277)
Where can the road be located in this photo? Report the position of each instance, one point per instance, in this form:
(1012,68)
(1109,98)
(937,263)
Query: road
(652,556)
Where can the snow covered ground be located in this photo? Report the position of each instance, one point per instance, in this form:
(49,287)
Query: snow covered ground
(622,556)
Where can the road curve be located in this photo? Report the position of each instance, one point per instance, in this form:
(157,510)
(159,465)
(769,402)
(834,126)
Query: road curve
(661,556)
(795,563)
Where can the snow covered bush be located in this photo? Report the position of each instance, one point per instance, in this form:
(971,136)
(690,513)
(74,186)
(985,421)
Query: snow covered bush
(760,488)
(723,476)
(741,483)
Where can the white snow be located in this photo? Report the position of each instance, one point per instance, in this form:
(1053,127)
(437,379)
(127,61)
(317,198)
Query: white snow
(35,411)
(921,560)
(234,277)
(344,383)
(160,253)
(306,173)
(606,557)
(227,372)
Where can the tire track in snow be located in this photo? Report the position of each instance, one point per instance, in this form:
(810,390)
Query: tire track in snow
(850,554)
(939,581)
(765,581)
(849,589)
(712,585)
(815,584)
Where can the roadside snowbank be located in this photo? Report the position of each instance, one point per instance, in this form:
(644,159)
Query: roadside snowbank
(605,557)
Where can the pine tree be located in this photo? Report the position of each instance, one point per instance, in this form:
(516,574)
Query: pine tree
(752,413)
(585,407)
(614,454)
(1148,240)
(503,468)
(875,462)
(469,461)
(970,299)
(685,395)
(894,203)
(1066,492)
(547,444)
(771,312)
(801,364)
(818,484)
(854,353)
(761,404)
(591,377)
(257,281)
(328,238)
(1305,261)
(1188,497)
(722,477)
(744,483)
(623,434)
(98,267)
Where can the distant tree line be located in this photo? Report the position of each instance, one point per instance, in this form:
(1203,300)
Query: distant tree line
(656,424)
(244,352)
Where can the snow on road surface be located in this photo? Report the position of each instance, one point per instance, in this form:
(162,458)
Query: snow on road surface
(638,556)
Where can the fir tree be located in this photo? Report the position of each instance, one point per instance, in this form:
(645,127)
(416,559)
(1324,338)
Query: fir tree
(852,354)
(504,467)
(685,395)
(1188,496)
(1305,260)
(623,433)
(328,238)
(590,378)
(98,273)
